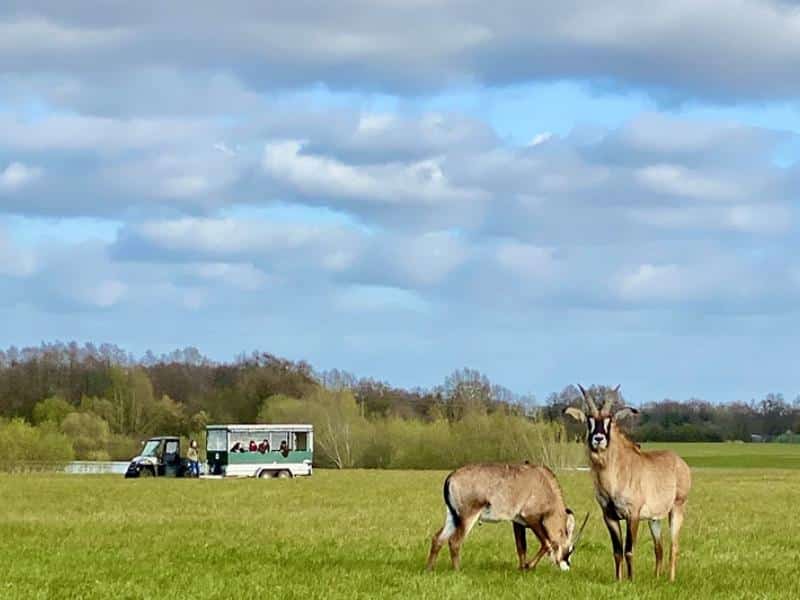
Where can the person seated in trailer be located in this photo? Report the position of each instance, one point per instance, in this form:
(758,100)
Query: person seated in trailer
(253,446)
(263,447)
(238,447)
(284,449)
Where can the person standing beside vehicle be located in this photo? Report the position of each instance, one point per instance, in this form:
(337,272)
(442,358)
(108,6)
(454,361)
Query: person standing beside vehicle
(194,458)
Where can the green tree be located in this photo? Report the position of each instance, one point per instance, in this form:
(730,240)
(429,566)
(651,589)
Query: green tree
(52,409)
(89,435)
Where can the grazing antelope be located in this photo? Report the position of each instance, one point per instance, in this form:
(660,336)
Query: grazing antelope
(631,484)
(527,495)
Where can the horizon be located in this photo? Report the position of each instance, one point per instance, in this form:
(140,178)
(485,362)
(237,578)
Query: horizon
(584,194)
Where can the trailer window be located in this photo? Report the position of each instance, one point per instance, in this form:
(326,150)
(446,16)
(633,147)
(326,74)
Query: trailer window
(217,440)
(301,441)
(276,437)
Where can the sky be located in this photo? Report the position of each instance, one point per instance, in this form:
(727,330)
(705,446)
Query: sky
(583,193)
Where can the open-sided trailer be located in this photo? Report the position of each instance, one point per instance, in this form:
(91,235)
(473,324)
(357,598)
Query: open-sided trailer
(275,450)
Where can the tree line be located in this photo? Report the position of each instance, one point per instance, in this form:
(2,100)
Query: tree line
(62,401)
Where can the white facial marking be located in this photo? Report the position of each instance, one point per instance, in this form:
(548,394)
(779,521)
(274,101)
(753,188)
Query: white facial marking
(564,566)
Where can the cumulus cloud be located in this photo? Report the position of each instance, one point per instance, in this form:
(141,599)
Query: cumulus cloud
(421,186)
(668,48)
(17,175)
(15,261)
(460,216)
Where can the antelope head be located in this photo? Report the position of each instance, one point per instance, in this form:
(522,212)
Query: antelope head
(561,551)
(599,421)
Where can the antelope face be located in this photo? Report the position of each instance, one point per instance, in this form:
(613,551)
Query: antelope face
(561,551)
(598,432)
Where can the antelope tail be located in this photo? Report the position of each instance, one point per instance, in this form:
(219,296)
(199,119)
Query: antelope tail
(449,502)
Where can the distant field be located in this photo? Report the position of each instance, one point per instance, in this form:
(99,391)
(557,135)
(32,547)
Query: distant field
(364,534)
(736,456)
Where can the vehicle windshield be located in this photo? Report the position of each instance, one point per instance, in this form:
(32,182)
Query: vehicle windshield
(151,447)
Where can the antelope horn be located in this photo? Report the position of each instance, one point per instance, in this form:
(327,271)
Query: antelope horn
(580,532)
(610,399)
(587,398)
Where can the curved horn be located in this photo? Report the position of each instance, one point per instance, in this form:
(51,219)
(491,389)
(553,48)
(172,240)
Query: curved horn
(610,399)
(580,532)
(587,398)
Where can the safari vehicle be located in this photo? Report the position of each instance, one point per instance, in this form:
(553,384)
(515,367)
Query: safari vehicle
(259,450)
(160,457)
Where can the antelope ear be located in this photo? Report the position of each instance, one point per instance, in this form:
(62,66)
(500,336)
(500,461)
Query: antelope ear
(575,413)
(570,524)
(625,412)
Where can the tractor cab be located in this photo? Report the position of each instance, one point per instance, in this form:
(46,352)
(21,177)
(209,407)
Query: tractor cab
(159,457)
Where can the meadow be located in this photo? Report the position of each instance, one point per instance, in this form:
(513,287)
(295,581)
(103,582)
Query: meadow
(366,533)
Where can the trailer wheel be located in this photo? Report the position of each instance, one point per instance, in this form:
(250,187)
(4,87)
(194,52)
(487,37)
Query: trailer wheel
(265,474)
(283,475)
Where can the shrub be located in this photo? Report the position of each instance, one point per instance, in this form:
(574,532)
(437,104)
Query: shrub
(87,431)
(22,443)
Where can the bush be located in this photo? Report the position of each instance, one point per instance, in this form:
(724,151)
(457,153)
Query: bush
(22,443)
(343,438)
(122,447)
(88,433)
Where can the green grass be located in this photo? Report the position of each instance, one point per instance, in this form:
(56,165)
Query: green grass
(364,534)
(736,455)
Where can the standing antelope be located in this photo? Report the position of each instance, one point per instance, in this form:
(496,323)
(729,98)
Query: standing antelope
(527,495)
(632,485)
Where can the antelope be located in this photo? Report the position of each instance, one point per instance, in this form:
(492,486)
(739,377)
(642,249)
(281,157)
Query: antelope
(631,484)
(527,495)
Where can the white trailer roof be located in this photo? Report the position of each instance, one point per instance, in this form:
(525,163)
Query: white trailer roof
(263,427)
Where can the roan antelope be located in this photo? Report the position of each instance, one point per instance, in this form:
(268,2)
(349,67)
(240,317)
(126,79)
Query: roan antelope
(631,484)
(527,495)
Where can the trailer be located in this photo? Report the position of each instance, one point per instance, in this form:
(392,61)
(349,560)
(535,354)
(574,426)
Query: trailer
(265,451)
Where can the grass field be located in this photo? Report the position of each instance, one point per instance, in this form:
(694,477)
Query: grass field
(737,455)
(365,534)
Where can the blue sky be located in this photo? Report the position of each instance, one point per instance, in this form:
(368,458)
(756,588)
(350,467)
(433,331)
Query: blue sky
(399,190)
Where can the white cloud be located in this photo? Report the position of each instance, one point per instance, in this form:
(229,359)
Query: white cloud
(540,138)
(372,298)
(242,276)
(17,175)
(15,261)
(655,282)
(526,260)
(420,184)
(101,134)
(52,38)
(672,179)
(744,218)
(667,47)
(429,258)
(236,237)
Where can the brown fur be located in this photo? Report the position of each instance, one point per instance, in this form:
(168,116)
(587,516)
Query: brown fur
(633,485)
(527,495)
